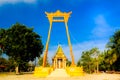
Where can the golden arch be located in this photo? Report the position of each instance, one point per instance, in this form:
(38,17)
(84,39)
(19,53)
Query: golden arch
(58,16)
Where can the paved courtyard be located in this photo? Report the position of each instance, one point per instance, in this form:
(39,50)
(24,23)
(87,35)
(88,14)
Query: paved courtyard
(102,76)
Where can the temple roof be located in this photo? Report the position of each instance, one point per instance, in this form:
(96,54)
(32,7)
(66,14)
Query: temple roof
(59,52)
(58,13)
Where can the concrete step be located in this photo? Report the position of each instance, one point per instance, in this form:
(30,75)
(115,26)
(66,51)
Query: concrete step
(59,73)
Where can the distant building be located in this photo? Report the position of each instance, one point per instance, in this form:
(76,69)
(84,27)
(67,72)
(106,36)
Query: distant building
(2,68)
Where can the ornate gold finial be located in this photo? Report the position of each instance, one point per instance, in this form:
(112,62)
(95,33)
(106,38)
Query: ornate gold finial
(58,16)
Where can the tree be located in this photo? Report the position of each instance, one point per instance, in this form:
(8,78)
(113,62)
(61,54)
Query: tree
(89,60)
(11,65)
(21,44)
(114,50)
(103,61)
(68,63)
(3,64)
(0,51)
(86,61)
(95,55)
(2,37)
(40,62)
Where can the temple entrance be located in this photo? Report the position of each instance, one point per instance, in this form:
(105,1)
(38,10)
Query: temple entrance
(59,59)
(59,65)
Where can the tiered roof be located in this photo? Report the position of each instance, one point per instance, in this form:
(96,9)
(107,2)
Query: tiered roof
(59,52)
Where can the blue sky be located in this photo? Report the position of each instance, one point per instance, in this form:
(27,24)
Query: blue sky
(91,24)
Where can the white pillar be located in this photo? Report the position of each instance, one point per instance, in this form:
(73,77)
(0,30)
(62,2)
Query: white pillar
(56,63)
(65,64)
(59,63)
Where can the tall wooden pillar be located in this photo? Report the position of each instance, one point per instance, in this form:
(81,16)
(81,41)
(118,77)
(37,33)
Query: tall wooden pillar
(51,18)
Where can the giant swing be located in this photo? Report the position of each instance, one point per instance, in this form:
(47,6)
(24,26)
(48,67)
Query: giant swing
(73,70)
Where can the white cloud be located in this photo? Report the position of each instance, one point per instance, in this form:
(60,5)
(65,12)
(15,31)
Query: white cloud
(15,1)
(77,49)
(102,28)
